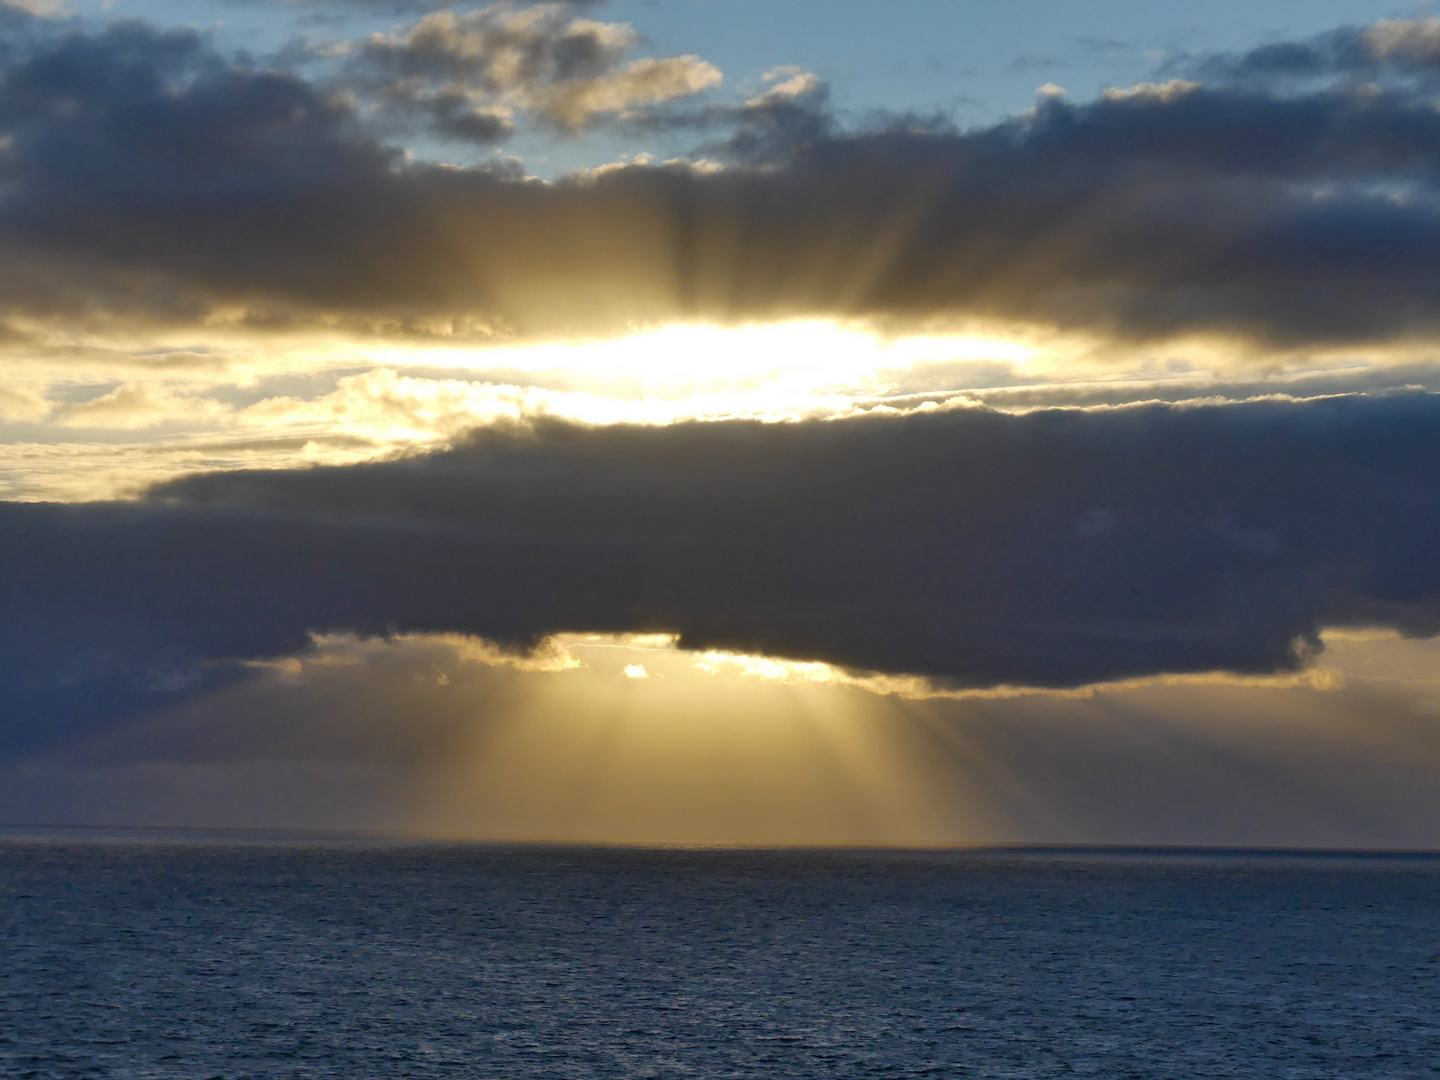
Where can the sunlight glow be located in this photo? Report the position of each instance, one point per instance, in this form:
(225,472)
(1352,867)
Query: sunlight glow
(636,743)
(568,742)
(647,656)
(684,360)
(127,413)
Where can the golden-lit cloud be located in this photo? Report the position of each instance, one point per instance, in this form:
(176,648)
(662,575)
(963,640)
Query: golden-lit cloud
(126,414)
(473,70)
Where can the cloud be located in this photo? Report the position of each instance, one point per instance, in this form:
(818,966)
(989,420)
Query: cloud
(472,69)
(164,203)
(1387,49)
(1049,549)
(1164,93)
(1415,41)
(152,182)
(112,609)
(22,403)
(789,85)
(12,11)
(139,405)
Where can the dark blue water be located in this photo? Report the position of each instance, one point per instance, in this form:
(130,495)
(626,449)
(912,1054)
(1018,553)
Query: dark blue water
(187,959)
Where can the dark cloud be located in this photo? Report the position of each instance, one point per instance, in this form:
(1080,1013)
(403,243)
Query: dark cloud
(980,548)
(451,113)
(1389,48)
(13,17)
(112,609)
(147,178)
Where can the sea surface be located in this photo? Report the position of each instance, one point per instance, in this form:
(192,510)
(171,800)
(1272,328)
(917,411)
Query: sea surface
(160,955)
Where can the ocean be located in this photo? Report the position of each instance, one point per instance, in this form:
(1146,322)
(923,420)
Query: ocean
(174,955)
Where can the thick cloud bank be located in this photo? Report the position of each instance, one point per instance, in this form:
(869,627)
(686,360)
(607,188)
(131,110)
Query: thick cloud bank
(1049,549)
(1290,196)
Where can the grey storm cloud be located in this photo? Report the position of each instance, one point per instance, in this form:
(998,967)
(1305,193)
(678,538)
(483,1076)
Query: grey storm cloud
(1049,549)
(147,178)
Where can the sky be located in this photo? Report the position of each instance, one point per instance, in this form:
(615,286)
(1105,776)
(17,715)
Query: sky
(716,422)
